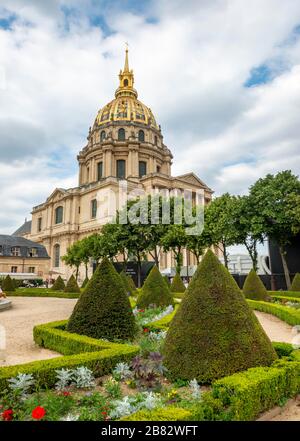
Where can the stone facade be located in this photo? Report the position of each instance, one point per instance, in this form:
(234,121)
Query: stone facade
(124,145)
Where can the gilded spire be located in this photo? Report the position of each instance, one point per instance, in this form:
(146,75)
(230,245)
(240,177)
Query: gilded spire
(126,65)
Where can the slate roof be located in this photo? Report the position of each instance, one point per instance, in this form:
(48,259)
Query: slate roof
(7,242)
(23,229)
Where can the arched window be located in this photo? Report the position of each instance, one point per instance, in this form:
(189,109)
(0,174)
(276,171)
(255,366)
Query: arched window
(100,170)
(121,135)
(141,136)
(56,255)
(121,169)
(125,83)
(59,212)
(142,168)
(102,135)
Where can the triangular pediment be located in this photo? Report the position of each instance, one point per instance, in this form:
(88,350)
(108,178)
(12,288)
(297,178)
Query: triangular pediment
(193,179)
(57,195)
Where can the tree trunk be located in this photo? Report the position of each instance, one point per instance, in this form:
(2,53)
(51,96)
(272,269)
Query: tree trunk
(86,270)
(225,256)
(178,258)
(77,271)
(285,267)
(139,271)
(156,257)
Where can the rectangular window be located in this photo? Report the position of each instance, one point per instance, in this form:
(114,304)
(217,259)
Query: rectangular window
(14,269)
(121,168)
(15,251)
(39,224)
(59,212)
(142,168)
(94,208)
(31,269)
(100,170)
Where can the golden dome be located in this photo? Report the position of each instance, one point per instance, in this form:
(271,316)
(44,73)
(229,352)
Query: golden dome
(126,107)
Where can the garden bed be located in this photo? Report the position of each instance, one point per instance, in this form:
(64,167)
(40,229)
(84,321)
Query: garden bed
(285,313)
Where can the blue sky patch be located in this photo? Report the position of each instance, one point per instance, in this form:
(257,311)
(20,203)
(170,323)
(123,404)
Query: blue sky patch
(259,75)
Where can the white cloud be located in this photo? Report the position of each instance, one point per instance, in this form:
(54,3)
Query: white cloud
(190,61)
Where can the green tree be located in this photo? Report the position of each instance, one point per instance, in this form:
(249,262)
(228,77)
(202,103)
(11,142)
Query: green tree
(272,198)
(73,257)
(219,226)
(175,240)
(247,229)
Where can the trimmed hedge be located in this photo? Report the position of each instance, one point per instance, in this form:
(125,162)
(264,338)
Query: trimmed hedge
(100,356)
(59,284)
(296,283)
(169,413)
(162,324)
(177,284)
(247,394)
(283,349)
(214,333)
(288,315)
(155,291)
(85,282)
(285,293)
(42,292)
(287,299)
(254,288)
(72,285)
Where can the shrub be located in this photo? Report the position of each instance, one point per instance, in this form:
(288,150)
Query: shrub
(249,393)
(283,349)
(72,285)
(43,292)
(85,282)
(59,284)
(99,356)
(254,288)
(131,284)
(167,280)
(8,284)
(296,283)
(285,313)
(284,293)
(177,284)
(214,332)
(155,291)
(170,413)
(103,309)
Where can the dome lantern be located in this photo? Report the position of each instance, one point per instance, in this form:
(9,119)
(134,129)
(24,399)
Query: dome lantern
(126,78)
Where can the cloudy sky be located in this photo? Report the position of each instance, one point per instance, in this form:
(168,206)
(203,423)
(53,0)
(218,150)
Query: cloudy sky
(221,76)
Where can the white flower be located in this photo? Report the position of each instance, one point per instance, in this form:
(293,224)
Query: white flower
(157,336)
(195,388)
(70,417)
(169,309)
(21,383)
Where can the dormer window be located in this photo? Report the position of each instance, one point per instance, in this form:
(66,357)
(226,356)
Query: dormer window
(15,251)
(32,252)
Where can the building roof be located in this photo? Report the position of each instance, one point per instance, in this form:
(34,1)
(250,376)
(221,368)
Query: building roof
(23,229)
(7,242)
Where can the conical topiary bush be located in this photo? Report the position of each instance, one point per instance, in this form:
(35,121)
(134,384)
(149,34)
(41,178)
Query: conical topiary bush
(126,283)
(167,280)
(214,333)
(131,284)
(85,282)
(253,287)
(296,283)
(155,291)
(8,284)
(103,309)
(177,284)
(72,285)
(59,284)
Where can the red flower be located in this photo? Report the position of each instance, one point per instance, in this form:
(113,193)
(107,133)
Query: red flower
(7,415)
(146,330)
(38,413)
(66,394)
